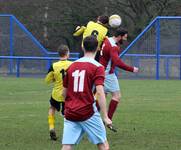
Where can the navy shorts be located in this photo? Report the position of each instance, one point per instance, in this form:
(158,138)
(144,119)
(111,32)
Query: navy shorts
(57,105)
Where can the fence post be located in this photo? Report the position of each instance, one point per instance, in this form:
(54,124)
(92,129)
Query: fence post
(157,49)
(180,49)
(11,43)
(167,67)
(18,67)
(49,61)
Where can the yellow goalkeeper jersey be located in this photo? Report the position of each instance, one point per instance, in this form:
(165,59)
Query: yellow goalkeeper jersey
(55,75)
(97,29)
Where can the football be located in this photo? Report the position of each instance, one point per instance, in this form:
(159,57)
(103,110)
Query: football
(115,21)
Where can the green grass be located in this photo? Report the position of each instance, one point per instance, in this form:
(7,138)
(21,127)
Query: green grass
(148,117)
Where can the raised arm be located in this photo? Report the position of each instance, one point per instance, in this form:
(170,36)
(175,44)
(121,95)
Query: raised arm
(118,62)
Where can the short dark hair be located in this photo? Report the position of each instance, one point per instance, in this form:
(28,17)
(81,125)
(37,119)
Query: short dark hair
(103,19)
(63,50)
(120,31)
(90,43)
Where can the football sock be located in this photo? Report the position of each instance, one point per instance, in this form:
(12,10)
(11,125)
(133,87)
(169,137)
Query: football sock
(51,121)
(112,108)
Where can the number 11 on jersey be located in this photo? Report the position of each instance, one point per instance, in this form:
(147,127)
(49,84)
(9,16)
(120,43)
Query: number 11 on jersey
(78,80)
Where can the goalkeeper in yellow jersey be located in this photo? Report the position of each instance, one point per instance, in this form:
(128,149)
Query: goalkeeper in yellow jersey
(55,75)
(98,29)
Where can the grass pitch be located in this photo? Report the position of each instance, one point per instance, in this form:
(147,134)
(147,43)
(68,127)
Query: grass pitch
(148,117)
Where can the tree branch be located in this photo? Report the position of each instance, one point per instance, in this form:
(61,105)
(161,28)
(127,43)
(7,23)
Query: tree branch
(132,6)
(123,4)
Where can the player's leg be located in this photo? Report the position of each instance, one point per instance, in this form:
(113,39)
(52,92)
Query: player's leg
(72,134)
(51,122)
(102,146)
(111,85)
(62,108)
(113,103)
(51,117)
(95,130)
(67,147)
(54,105)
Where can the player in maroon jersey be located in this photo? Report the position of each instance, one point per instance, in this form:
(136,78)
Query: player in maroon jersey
(81,114)
(110,59)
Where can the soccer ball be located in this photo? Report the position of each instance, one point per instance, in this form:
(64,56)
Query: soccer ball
(115,21)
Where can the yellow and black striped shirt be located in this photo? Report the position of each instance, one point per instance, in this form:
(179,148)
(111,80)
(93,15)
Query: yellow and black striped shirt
(55,75)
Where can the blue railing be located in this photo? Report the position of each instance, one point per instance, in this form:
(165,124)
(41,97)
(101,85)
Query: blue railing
(137,58)
(18,60)
(44,50)
(47,55)
(156,22)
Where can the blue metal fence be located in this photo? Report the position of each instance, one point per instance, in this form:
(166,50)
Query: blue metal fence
(19,46)
(18,60)
(156,50)
(137,58)
(165,31)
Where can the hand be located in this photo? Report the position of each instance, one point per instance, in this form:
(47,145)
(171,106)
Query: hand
(112,128)
(135,70)
(107,121)
(109,125)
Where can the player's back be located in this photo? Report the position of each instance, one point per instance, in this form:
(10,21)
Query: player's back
(81,76)
(105,52)
(55,74)
(97,29)
(107,49)
(59,71)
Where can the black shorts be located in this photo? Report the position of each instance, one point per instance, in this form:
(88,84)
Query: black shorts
(57,105)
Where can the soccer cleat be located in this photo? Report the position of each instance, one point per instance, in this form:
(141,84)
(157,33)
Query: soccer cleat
(53,135)
(112,128)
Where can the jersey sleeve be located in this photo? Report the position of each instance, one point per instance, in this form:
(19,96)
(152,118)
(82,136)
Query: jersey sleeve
(118,62)
(50,77)
(79,31)
(99,76)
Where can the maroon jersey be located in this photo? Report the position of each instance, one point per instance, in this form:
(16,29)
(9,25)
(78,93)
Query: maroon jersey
(109,57)
(80,79)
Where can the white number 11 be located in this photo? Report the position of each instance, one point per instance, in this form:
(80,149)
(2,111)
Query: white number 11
(78,80)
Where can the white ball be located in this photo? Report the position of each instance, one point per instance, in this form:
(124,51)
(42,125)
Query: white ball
(115,21)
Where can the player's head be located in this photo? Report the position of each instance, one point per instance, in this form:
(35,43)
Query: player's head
(103,19)
(90,44)
(63,51)
(121,34)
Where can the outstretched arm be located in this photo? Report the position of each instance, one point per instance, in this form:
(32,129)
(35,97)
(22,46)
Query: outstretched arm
(79,30)
(119,63)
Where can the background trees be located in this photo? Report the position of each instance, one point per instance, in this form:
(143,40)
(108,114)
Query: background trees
(53,21)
